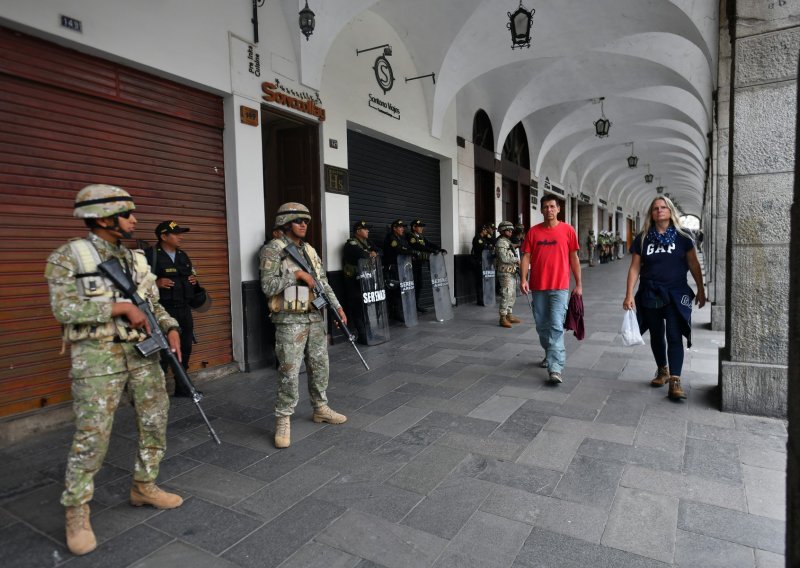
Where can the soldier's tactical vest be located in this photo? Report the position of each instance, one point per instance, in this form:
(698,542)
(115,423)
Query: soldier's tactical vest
(95,287)
(501,266)
(295,299)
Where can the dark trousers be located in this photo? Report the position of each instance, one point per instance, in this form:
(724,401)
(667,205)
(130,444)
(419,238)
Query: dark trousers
(666,340)
(355,308)
(184,316)
(417,270)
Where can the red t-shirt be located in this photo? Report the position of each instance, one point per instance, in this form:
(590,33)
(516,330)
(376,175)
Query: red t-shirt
(550,248)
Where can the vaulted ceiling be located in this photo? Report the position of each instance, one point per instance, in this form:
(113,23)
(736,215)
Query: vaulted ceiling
(654,61)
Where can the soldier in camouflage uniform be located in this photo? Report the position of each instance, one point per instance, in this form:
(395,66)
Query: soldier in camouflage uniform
(506,265)
(299,328)
(103,328)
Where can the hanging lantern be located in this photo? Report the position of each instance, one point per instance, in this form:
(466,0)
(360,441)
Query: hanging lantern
(519,23)
(648,177)
(602,125)
(307,22)
(633,160)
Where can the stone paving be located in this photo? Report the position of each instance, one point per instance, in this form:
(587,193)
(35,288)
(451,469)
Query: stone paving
(456,454)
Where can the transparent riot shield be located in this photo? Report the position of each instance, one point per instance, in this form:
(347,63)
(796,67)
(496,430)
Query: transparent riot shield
(408,298)
(440,285)
(487,265)
(374,313)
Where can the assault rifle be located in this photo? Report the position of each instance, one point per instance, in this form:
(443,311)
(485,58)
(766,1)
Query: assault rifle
(157,341)
(322,298)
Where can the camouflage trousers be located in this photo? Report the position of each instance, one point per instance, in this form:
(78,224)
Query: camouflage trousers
(508,292)
(293,343)
(95,400)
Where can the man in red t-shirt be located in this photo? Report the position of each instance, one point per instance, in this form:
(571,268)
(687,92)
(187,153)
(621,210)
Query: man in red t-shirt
(550,250)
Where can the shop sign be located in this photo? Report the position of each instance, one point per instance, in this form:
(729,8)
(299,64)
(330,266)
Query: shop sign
(385,107)
(71,24)
(603,202)
(302,101)
(383,74)
(557,190)
(253,61)
(585,198)
(248,115)
(547,183)
(336,180)
(619,209)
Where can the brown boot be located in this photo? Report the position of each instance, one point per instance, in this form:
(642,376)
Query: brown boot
(80,537)
(144,493)
(675,390)
(283,432)
(504,322)
(513,319)
(326,414)
(662,376)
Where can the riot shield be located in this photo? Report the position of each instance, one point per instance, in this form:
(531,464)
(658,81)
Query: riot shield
(488,280)
(408,298)
(374,314)
(441,288)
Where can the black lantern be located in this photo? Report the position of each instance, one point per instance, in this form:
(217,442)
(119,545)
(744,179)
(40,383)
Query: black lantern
(307,21)
(632,160)
(520,25)
(602,125)
(660,189)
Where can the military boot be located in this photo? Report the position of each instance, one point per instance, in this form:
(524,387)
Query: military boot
(675,390)
(513,319)
(326,414)
(148,493)
(662,376)
(504,322)
(283,432)
(80,537)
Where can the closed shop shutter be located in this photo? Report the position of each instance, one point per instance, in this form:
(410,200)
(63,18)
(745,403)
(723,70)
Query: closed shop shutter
(67,120)
(388,182)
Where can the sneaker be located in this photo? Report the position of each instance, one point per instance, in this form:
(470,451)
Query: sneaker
(543,364)
(555,377)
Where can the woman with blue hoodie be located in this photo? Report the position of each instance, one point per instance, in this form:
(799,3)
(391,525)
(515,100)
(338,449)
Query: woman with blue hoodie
(661,255)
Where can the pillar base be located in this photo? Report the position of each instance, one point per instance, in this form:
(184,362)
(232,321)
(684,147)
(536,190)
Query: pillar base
(753,388)
(717,317)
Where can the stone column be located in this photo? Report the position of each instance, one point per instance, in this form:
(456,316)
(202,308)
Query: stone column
(754,363)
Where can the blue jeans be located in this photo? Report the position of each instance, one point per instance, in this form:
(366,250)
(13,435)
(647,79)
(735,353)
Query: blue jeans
(665,323)
(549,312)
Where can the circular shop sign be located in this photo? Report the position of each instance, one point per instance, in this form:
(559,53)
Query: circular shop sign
(384,74)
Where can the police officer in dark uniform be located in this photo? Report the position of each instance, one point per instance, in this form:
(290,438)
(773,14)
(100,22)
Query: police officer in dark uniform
(176,283)
(357,247)
(423,249)
(482,241)
(394,245)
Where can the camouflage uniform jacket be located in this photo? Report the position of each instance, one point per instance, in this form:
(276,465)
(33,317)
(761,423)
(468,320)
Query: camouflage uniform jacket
(277,274)
(506,259)
(100,345)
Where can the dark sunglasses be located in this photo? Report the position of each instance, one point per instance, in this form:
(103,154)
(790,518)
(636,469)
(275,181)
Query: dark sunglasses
(125,214)
(301,221)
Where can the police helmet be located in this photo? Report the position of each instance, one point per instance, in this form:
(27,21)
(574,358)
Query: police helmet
(99,200)
(291,211)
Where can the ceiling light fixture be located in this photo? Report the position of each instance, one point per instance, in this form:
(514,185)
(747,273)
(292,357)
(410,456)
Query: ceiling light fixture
(602,125)
(306,21)
(633,160)
(648,177)
(519,23)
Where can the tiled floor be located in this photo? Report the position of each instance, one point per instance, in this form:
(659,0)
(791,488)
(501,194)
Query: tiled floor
(456,454)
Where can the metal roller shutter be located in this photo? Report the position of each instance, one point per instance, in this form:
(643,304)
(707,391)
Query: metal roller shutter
(388,182)
(67,120)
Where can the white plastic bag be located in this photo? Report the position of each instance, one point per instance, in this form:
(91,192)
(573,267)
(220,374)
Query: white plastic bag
(630,330)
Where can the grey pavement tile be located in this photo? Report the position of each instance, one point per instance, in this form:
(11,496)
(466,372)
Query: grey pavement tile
(369,496)
(113,521)
(516,504)
(376,467)
(485,541)
(642,523)
(590,481)
(397,421)
(656,459)
(621,413)
(205,525)
(239,412)
(710,416)
(384,543)
(588,396)
(216,484)
(348,438)
(284,461)
(460,424)
(726,524)
(115,492)
(456,406)
(427,469)
(545,549)
(42,510)
(176,444)
(124,549)
(179,553)
(229,456)
(609,451)
(766,559)
(429,391)
(500,449)
(595,430)
(528,392)
(693,550)
(174,466)
(16,481)
(665,434)
(355,419)
(7,518)
(522,426)
(760,425)
(712,459)
(760,457)
(572,519)
(552,449)
(520,476)
(285,492)
(662,407)
(497,408)
(387,403)
(280,538)
(257,436)
(191,422)
(742,437)
(766,492)
(445,510)
(25,548)
(685,487)
(318,555)
(107,473)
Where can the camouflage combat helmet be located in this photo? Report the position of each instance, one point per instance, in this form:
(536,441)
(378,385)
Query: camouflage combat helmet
(97,201)
(290,211)
(505,226)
